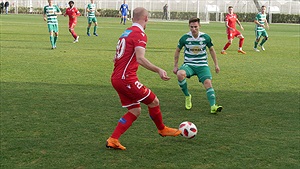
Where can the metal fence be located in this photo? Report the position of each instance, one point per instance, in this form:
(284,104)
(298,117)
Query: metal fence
(248,6)
(202,7)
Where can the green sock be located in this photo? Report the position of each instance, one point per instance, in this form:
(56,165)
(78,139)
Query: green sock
(263,41)
(55,39)
(255,44)
(210,93)
(95,29)
(52,40)
(88,30)
(183,86)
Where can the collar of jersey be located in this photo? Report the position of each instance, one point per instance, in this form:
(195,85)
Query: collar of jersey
(139,26)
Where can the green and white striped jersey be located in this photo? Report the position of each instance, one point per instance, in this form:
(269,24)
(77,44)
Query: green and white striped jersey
(50,13)
(195,48)
(92,8)
(261,18)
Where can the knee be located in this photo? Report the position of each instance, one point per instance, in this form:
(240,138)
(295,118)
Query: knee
(136,111)
(207,83)
(154,103)
(181,74)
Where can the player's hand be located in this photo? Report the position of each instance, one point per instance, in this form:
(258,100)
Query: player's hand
(217,69)
(242,27)
(45,19)
(163,75)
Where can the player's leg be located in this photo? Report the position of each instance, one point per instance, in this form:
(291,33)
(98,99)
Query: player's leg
(52,40)
(124,18)
(155,113)
(50,29)
(95,26)
(89,26)
(265,35)
(55,38)
(123,125)
(131,102)
(183,72)
(241,42)
(72,31)
(205,77)
(55,34)
(257,39)
(121,18)
(229,42)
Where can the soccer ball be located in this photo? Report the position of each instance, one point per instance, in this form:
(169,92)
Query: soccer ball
(188,129)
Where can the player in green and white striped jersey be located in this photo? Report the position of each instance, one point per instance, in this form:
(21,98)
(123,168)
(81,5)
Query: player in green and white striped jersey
(50,15)
(261,22)
(195,63)
(91,9)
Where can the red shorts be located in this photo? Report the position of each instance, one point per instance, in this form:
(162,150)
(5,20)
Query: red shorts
(72,24)
(232,34)
(132,92)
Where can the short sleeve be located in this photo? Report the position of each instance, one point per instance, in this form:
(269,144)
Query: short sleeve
(181,42)
(208,41)
(140,40)
(57,9)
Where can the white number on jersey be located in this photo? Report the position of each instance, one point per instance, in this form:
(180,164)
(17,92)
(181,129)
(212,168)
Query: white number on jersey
(120,48)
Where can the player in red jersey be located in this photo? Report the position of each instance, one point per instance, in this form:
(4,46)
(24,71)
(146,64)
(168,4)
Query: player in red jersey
(130,53)
(230,22)
(72,12)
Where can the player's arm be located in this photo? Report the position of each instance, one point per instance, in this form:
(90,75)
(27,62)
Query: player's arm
(214,57)
(77,12)
(227,26)
(88,9)
(257,23)
(266,22)
(57,12)
(176,58)
(239,23)
(44,15)
(140,57)
(65,14)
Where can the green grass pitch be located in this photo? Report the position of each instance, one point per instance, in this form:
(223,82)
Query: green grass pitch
(58,106)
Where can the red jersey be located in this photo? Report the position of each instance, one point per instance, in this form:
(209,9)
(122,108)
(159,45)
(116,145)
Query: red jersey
(126,65)
(231,19)
(72,13)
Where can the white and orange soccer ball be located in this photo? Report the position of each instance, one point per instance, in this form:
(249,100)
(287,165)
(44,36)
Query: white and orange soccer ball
(188,129)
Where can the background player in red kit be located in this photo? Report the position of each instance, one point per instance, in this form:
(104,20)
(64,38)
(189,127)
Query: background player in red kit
(72,12)
(130,53)
(230,22)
